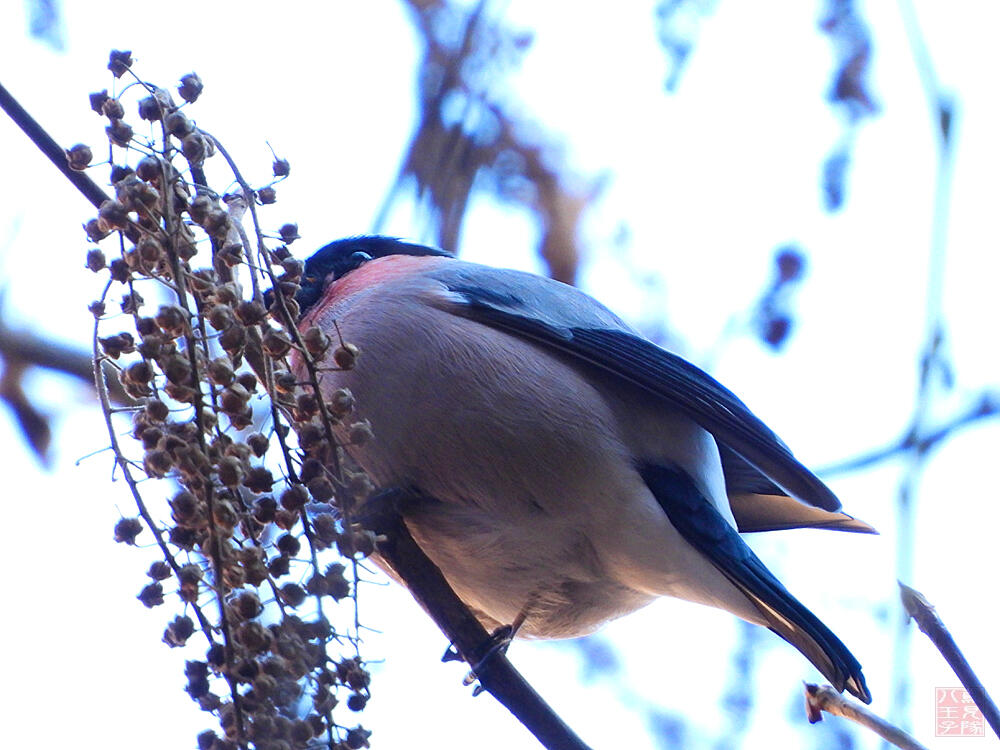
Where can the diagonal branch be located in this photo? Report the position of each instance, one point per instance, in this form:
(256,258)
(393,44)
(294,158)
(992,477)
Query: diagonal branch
(48,146)
(495,673)
(986,406)
(921,610)
(821,698)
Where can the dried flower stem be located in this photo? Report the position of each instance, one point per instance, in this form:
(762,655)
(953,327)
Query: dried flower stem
(821,698)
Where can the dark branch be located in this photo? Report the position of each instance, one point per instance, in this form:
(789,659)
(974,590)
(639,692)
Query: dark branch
(495,673)
(48,146)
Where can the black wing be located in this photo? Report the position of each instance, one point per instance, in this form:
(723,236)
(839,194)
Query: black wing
(523,304)
(700,524)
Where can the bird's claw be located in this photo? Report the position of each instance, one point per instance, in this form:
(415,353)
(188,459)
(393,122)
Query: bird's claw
(499,642)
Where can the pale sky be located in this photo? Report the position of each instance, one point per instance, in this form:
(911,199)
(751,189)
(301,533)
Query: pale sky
(709,180)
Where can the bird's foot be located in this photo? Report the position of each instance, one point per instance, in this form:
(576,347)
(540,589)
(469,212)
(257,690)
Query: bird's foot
(498,643)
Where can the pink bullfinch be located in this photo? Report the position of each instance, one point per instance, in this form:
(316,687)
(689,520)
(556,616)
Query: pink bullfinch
(568,470)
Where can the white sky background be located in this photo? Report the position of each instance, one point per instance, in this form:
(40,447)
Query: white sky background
(709,181)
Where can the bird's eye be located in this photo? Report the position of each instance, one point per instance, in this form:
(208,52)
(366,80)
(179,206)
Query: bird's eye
(357,259)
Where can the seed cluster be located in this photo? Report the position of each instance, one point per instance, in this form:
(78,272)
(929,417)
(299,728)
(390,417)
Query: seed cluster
(226,409)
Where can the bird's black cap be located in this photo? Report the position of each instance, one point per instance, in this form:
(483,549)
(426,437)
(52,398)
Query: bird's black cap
(343,256)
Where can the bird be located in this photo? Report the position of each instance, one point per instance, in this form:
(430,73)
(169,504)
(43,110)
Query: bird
(566,471)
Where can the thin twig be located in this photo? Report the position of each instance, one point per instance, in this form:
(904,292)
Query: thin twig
(986,406)
(821,698)
(933,362)
(921,610)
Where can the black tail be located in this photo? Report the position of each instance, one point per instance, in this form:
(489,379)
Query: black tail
(700,523)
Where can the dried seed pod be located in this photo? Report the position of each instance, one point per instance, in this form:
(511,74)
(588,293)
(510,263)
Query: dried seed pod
(191,87)
(79,157)
(284,381)
(173,320)
(231,471)
(346,355)
(149,249)
(321,489)
(112,109)
(248,380)
(267,195)
(95,231)
(293,268)
(156,410)
(120,271)
(258,443)
(178,124)
(230,254)
(185,508)
(178,631)
(115,346)
(247,605)
(151,594)
(127,529)
(217,224)
(325,527)
(97,100)
(264,509)
(233,400)
(199,208)
(316,341)
(119,133)
(288,545)
(112,215)
(360,433)
(251,312)
(306,406)
(156,106)
(259,479)
(292,594)
(233,339)
(280,168)
(119,61)
(224,515)
(177,370)
(337,583)
(220,317)
(276,342)
(194,146)
(96,261)
(159,571)
(294,498)
(149,168)
(341,402)
(220,370)
(289,233)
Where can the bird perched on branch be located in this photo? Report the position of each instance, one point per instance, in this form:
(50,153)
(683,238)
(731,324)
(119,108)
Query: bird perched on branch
(568,470)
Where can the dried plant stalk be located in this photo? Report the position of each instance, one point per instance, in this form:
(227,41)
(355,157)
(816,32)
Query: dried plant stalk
(246,452)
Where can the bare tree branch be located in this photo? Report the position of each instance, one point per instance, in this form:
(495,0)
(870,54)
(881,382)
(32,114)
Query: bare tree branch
(477,647)
(821,698)
(921,610)
(48,146)
(986,406)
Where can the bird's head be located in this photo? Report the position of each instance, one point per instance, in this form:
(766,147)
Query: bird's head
(336,260)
